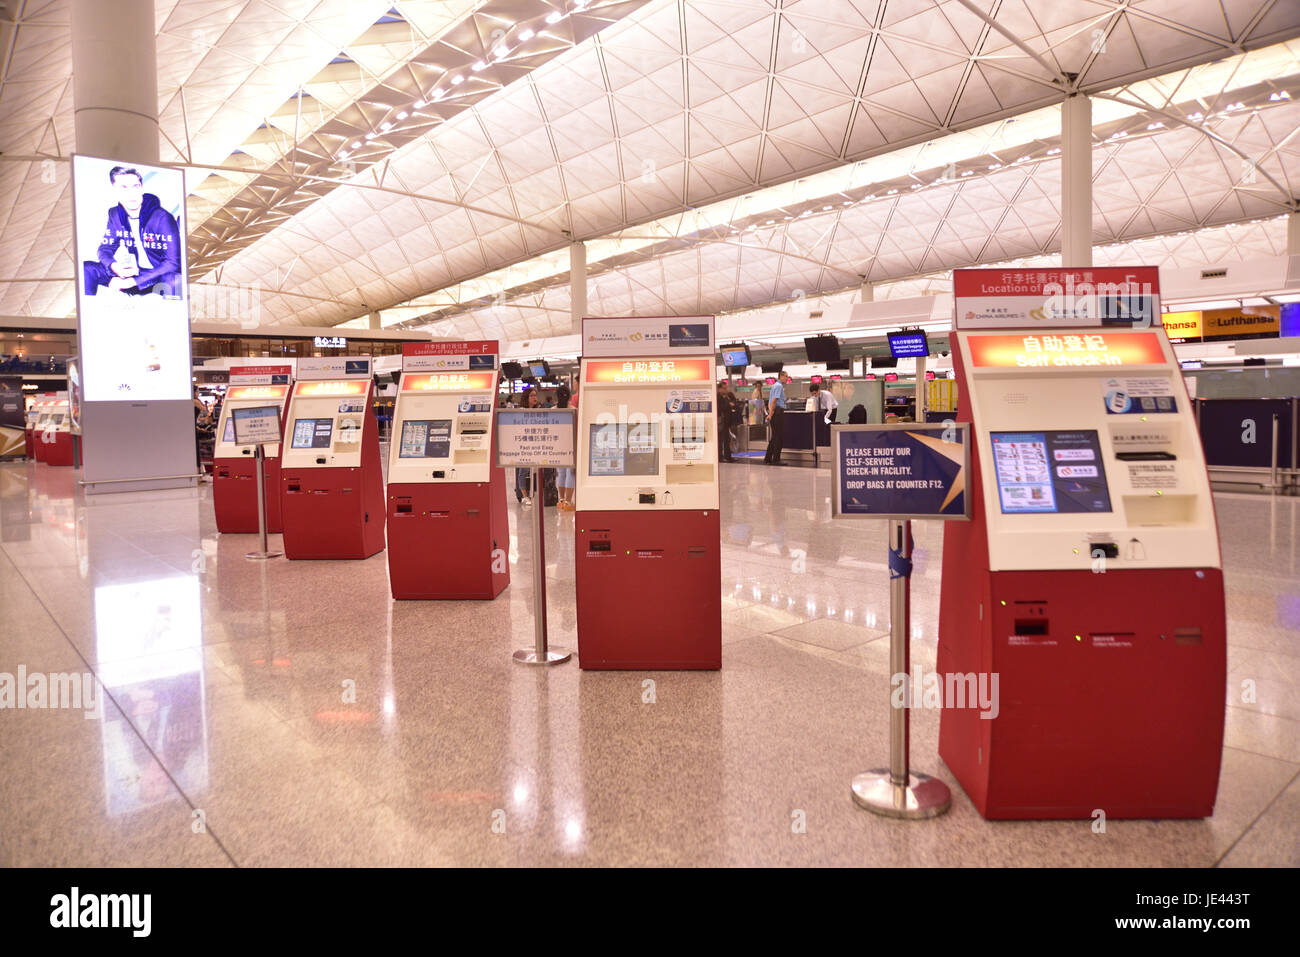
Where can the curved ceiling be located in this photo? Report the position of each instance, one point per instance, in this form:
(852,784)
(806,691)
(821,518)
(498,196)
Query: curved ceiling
(612,119)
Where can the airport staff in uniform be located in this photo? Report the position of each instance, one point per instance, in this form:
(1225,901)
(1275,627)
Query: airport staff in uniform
(823,401)
(728,414)
(776,416)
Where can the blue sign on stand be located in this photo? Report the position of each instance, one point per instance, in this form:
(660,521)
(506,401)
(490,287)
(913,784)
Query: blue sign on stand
(902,471)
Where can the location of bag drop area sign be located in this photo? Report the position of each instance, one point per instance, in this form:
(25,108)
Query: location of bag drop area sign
(902,470)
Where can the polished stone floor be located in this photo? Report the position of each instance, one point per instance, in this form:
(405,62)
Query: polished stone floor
(289,713)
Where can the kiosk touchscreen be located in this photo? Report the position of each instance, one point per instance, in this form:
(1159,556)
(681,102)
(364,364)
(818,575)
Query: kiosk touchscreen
(1089,579)
(647,551)
(53,433)
(234,469)
(448,531)
(331,477)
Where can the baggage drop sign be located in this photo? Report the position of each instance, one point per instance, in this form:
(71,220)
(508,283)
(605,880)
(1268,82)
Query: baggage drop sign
(901,471)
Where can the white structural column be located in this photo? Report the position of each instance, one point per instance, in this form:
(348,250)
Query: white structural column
(115,79)
(866,291)
(126,445)
(1293,233)
(577,285)
(375,322)
(1076,181)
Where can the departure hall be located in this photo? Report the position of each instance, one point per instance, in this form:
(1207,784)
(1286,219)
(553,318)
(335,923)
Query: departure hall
(651,433)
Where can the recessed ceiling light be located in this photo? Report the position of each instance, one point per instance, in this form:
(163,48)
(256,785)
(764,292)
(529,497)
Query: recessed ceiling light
(500,52)
(370,136)
(480,65)
(526,36)
(555,17)
(403,115)
(457,80)
(438,94)
(421,104)
(356,144)
(385,127)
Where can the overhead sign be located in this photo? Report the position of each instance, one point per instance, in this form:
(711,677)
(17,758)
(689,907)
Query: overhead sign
(447,382)
(1251,322)
(343,367)
(536,438)
(245,392)
(1020,299)
(133,307)
(649,371)
(450,356)
(260,375)
(309,389)
(649,336)
(1082,350)
(1182,326)
(330,342)
(902,471)
(257,425)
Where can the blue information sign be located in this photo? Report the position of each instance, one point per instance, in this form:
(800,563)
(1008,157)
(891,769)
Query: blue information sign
(902,471)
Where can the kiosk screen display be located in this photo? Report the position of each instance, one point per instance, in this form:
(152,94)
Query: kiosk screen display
(1050,472)
(312,433)
(229,435)
(425,439)
(617,449)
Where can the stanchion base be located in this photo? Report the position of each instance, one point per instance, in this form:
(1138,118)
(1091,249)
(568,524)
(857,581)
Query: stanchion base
(261,556)
(923,797)
(554,656)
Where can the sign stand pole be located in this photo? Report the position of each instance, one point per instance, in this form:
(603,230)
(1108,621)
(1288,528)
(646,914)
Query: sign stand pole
(897,791)
(540,655)
(262,554)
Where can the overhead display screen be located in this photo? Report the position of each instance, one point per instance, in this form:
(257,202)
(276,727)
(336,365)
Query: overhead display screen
(132,296)
(736,356)
(425,439)
(619,449)
(1049,472)
(312,433)
(909,345)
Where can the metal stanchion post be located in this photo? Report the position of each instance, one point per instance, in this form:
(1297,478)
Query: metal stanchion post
(897,791)
(540,655)
(262,554)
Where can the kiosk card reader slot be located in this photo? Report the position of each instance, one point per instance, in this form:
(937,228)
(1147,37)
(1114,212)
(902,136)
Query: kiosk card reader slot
(1089,578)
(448,531)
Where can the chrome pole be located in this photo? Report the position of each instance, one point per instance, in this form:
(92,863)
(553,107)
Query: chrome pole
(897,791)
(263,553)
(540,655)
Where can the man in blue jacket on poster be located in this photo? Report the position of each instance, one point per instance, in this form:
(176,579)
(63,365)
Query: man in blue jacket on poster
(141,249)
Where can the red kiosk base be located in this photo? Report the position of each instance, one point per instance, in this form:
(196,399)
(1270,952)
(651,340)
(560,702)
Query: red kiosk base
(1116,708)
(434,532)
(62,451)
(30,448)
(335,513)
(623,624)
(234,495)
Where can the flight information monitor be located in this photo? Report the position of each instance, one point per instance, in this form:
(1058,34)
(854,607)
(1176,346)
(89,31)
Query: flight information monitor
(425,439)
(1047,472)
(312,433)
(619,449)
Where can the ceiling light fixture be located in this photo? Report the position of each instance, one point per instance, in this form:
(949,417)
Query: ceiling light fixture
(356,144)
(526,36)
(403,115)
(477,67)
(421,104)
(555,17)
(457,80)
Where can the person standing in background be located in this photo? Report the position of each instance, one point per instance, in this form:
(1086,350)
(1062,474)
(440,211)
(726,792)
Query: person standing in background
(523,492)
(728,413)
(823,401)
(776,415)
(565,478)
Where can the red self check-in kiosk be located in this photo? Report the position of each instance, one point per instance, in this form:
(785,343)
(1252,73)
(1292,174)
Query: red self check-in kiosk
(234,467)
(647,552)
(448,531)
(331,477)
(53,433)
(1089,578)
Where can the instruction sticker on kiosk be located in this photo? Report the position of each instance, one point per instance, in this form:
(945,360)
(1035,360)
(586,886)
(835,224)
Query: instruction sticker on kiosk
(901,471)
(1139,396)
(536,438)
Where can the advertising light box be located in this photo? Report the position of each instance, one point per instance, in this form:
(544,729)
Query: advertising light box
(1048,351)
(132,295)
